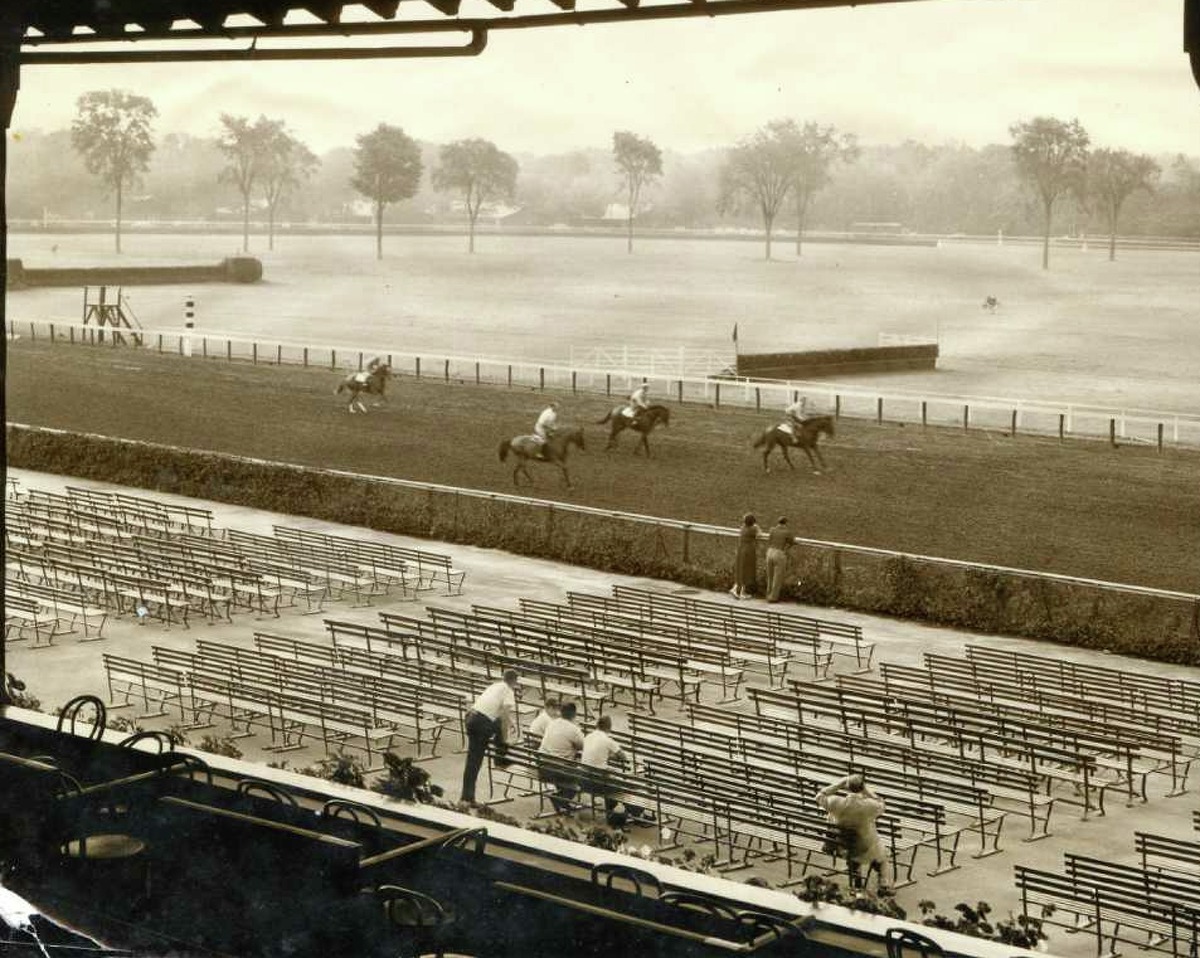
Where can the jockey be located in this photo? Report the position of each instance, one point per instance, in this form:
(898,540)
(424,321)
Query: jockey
(363,376)
(638,402)
(546,423)
(797,412)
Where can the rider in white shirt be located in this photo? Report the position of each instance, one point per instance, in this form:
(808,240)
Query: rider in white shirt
(797,412)
(546,423)
(364,375)
(638,401)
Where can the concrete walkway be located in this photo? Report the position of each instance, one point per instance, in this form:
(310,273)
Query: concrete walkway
(71,667)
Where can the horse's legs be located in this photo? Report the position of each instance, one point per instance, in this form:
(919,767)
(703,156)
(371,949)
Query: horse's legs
(646,443)
(817,452)
(808,451)
(787,457)
(566,476)
(613,433)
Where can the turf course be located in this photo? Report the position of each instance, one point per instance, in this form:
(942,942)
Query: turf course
(1079,508)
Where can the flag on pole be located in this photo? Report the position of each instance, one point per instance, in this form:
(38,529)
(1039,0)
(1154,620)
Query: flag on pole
(735,326)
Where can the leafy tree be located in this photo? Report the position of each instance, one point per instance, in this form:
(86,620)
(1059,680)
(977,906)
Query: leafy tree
(815,149)
(285,162)
(1051,155)
(111,130)
(759,172)
(480,171)
(245,146)
(387,168)
(639,162)
(1112,176)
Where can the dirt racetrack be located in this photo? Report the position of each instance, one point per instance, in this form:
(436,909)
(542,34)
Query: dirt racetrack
(1079,508)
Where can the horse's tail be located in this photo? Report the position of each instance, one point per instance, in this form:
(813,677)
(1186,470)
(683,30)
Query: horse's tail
(607,417)
(338,391)
(762,438)
(504,446)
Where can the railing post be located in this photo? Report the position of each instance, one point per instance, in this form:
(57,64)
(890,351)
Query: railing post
(757,399)
(966,416)
(1160,438)
(32,332)
(228,349)
(608,384)
(254,353)
(542,378)
(204,347)
(879,409)
(1112,432)
(573,381)
(510,375)
(924,413)
(477,372)
(73,337)
(159,342)
(418,367)
(679,392)
(446,370)
(837,405)
(305,357)
(279,354)
(717,396)
(52,334)
(1014,422)
(1062,422)
(360,362)
(333,359)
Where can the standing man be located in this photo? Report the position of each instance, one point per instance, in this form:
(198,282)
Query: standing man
(494,710)
(853,809)
(779,542)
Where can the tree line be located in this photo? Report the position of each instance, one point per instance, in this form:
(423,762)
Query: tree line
(816,176)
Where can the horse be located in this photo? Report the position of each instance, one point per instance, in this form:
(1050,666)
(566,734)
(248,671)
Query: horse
(527,449)
(643,421)
(804,435)
(990,303)
(373,384)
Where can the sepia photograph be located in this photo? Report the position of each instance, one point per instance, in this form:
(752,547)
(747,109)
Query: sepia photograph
(676,478)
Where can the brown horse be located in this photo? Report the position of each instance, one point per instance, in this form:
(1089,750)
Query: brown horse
(643,421)
(804,436)
(373,383)
(527,449)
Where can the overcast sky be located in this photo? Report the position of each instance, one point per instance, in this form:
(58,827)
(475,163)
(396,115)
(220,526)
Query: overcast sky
(935,71)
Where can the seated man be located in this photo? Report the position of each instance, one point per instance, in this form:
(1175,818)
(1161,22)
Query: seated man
(546,423)
(562,740)
(600,751)
(551,709)
(638,402)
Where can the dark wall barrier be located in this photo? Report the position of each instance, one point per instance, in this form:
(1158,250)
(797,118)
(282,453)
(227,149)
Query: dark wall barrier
(233,269)
(836,362)
(1143,622)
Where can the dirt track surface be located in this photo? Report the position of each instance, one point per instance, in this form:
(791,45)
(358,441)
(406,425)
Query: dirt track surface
(1079,508)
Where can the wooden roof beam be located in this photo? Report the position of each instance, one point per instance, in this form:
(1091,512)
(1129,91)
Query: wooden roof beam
(384,9)
(447,7)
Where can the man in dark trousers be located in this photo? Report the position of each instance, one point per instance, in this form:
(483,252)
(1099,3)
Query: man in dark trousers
(779,544)
(494,710)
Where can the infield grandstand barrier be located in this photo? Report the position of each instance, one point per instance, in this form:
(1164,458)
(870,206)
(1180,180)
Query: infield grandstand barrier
(1136,620)
(1009,415)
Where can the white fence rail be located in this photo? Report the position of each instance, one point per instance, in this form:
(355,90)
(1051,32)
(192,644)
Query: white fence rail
(1005,414)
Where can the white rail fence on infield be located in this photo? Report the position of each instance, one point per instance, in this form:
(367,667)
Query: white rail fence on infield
(1003,414)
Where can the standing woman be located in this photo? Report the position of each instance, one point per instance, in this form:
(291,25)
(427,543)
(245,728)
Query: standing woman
(745,567)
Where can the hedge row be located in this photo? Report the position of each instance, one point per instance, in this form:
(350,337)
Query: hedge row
(1156,627)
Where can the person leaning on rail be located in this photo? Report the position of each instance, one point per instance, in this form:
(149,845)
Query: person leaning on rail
(489,720)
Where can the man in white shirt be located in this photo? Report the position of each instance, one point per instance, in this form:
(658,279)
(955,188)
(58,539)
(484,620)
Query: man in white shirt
(546,422)
(551,709)
(638,401)
(797,412)
(600,751)
(562,740)
(493,712)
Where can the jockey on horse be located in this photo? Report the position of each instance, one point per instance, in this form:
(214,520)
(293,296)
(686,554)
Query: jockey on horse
(797,412)
(638,403)
(546,423)
(363,376)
